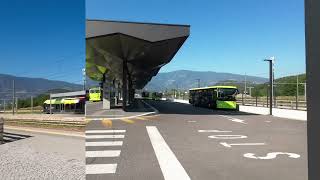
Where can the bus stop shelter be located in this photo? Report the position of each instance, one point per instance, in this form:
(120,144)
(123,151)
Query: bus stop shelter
(124,56)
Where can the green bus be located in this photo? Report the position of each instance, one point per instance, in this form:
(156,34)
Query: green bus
(216,97)
(95,94)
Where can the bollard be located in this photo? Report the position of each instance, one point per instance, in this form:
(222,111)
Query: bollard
(1,130)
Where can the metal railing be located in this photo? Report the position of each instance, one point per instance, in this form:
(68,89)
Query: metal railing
(277,103)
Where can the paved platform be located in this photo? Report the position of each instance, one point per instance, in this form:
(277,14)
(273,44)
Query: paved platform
(138,108)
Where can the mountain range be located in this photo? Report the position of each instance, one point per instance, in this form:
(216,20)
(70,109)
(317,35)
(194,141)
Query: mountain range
(182,79)
(186,79)
(26,87)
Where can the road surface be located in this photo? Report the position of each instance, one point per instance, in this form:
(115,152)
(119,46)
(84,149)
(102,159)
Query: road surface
(185,142)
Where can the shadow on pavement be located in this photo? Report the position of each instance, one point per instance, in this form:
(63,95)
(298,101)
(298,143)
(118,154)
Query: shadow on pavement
(11,137)
(167,107)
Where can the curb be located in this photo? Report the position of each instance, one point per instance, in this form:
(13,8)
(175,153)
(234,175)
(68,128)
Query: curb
(42,131)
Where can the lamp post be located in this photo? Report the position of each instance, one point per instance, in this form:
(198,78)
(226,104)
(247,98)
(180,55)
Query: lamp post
(271,70)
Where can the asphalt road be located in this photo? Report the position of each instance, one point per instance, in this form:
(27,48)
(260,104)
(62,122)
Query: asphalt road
(29,155)
(185,142)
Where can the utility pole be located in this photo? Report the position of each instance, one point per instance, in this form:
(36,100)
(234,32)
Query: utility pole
(13,97)
(17,104)
(84,78)
(4,106)
(250,90)
(31,103)
(198,82)
(245,87)
(297,96)
(50,104)
(271,63)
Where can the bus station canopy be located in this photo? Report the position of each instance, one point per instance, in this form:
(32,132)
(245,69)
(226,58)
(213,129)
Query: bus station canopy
(141,48)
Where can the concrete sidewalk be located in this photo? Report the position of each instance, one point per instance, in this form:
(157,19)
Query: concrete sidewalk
(283,113)
(138,108)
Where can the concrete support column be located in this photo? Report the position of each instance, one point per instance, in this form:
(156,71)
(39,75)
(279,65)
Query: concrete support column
(106,101)
(312,21)
(131,91)
(124,85)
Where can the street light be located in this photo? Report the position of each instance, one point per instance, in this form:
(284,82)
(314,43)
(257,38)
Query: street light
(271,71)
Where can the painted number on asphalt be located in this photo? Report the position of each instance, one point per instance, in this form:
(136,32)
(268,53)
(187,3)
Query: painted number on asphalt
(271,155)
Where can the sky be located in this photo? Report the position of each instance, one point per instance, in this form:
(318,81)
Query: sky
(47,38)
(43,38)
(226,35)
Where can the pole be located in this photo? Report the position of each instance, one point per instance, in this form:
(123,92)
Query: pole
(271,85)
(305,91)
(13,96)
(297,95)
(50,105)
(270,82)
(198,82)
(31,104)
(245,87)
(4,106)
(16,104)
(84,78)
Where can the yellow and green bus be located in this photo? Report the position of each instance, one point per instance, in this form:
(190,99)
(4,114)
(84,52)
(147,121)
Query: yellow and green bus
(95,94)
(216,97)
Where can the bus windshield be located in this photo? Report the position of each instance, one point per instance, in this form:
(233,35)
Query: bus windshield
(227,94)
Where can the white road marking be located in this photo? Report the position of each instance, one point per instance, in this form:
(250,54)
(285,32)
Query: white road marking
(105,153)
(169,164)
(192,121)
(105,131)
(234,119)
(241,144)
(267,121)
(101,168)
(227,136)
(103,136)
(213,131)
(105,143)
(271,155)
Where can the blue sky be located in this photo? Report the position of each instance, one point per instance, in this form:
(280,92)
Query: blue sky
(226,35)
(47,38)
(43,38)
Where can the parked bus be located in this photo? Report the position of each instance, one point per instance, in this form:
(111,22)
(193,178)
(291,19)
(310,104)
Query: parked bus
(95,94)
(216,97)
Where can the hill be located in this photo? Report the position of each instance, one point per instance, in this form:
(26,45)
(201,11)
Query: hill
(185,79)
(285,86)
(25,86)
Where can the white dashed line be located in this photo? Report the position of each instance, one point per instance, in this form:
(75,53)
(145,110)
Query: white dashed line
(103,136)
(192,121)
(105,143)
(169,164)
(105,131)
(106,153)
(213,131)
(101,168)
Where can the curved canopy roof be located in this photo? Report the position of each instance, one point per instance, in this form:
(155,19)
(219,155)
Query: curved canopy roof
(143,47)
